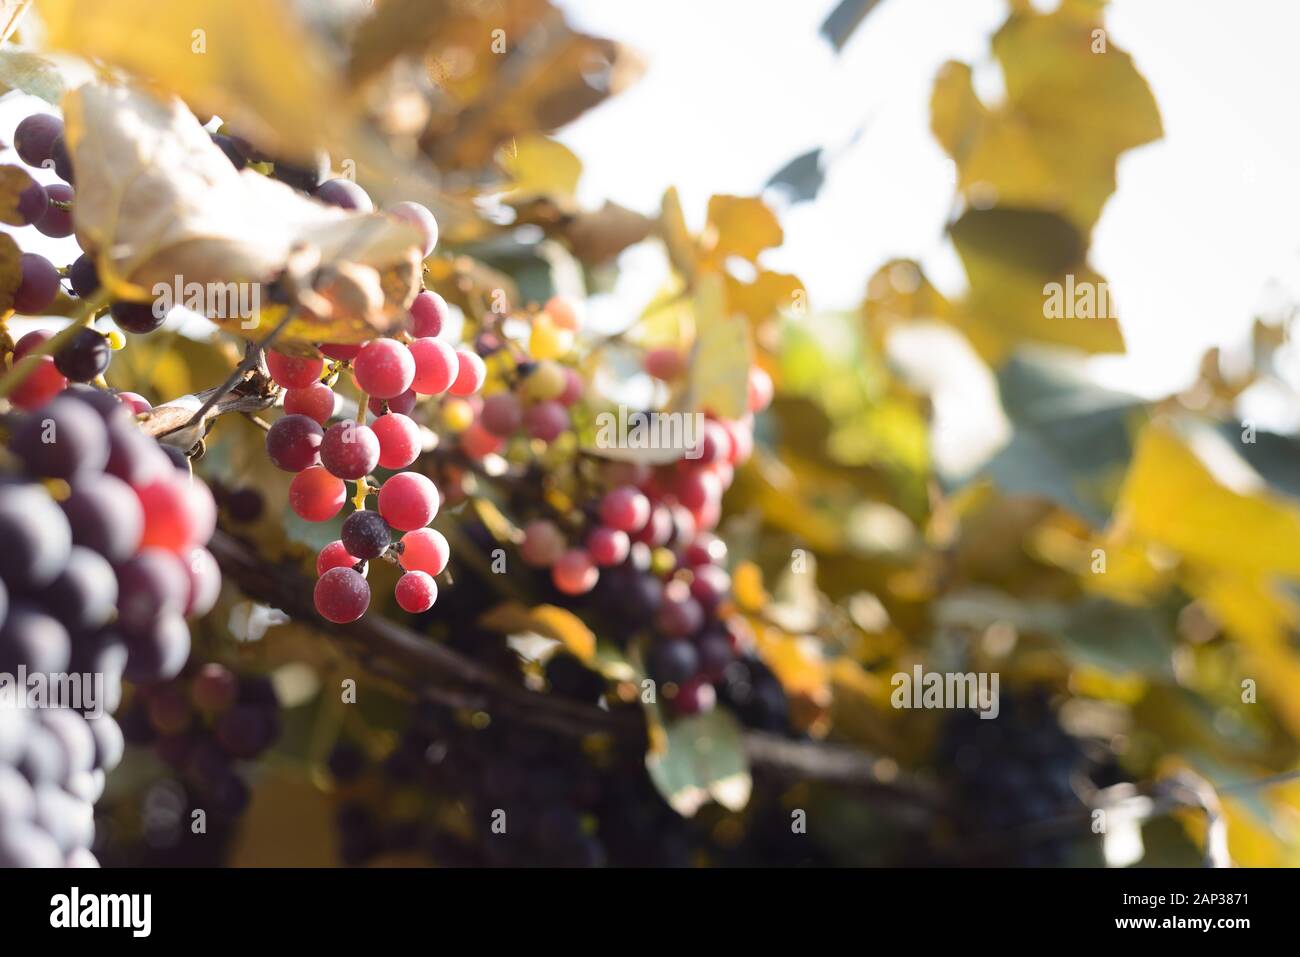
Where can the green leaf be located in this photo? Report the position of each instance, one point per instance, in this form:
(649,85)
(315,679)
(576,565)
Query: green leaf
(704,759)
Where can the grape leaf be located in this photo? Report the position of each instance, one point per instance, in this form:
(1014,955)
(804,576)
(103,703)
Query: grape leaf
(548,621)
(13,180)
(43,75)
(11,272)
(718,380)
(159,202)
(704,759)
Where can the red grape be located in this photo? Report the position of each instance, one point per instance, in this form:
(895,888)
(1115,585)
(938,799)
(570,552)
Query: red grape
(471,373)
(170,520)
(419,217)
(214,689)
(294,372)
(760,389)
(543,543)
(399,440)
(384,368)
(573,573)
(349,450)
(625,509)
(694,697)
(710,585)
(698,489)
(425,550)
(679,615)
(57,222)
(38,285)
(41,385)
(416,592)
(665,364)
(339,350)
(546,421)
(293,443)
(573,387)
(608,546)
(706,549)
(316,495)
(315,401)
(341,595)
(334,555)
(344,194)
(428,315)
(402,404)
(502,414)
(408,500)
(435,366)
(477,442)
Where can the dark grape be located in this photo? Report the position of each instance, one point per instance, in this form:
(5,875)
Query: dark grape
(231,148)
(158,651)
(62,159)
(83,596)
(57,222)
(673,661)
(84,275)
(34,138)
(85,357)
(35,536)
(365,534)
(137,317)
(38,284)
(153,584)
(33,638)
(33,203)
(345,194)
(64,438)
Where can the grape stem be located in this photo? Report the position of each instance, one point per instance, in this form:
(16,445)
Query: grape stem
(82,316)
(252,360)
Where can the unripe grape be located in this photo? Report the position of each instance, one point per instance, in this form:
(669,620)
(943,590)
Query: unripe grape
(478,443)
(436,366)
(384,368)
(563,313)
(345,194)
(546,421)
(419,217)
(408,501)
(760,389)
(573,572)
(334,555)
(547,341)
(665,363)
(470,375)
(428,315)
(625,509)
(316,401)
(316,495)
(294,372)
(457,415)
(342,595)
(543,543)
(608,546)
(425,550)
(399,440)
(416,592)
(546,381)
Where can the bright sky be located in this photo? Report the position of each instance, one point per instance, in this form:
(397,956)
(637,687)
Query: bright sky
(1203,224)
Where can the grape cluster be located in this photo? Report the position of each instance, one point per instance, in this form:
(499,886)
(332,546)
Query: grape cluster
(204,723)
(1011,772)
(95,579)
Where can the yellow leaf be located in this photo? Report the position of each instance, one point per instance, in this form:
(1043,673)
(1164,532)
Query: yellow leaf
(676,237)
(718,380)
(539,164)
(13,182)
(549,621)
(11,273)
(767,295)
(742,226)
(747,587)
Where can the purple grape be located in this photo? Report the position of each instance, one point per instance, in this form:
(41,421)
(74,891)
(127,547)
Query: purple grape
(38,287)
(84,275)
(64,438)
(84,595)
(33,203)
(159,652)
(365,535)
(151,586)
(31,637)
(345,194)
(34,138)
(57,222)
(137,318)
(85,357)
(35,536)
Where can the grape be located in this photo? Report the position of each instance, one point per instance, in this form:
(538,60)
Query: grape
(573,573)
(38,284)
(84,275)
(384,368)
(84,594)
(214,689)
(742,440)
(34,137)
(672,662)
(178,512)
(408,501)
(706,549)
(65,438)
(416,592)
(470,375)
(138,317)
(32,637)
(246,730)
(62,159)
(760,389)
(109,744)
(344,352)
(665,364)
(436,366)
(341,595)
(546,421)
(85,357)
(151,585)
(228,146)
(244,504)
(134,403)
(304,178)
(425,550)
(169,710)
(293,443)
(680,615)
(543,543)
(545,381)
(335,555)
(625,509)
(28,343)
(41,385)
(345,194)
(349,450)
(546,341)
(23,844)
(694,697)
(35,537)
(573,387)
(502,414)
(133,457)
(16,799)
(402,404)
(698,489)
(316,495)
(477,442)
(714,445)
(563,313)
(75,737)
(608,546)
(715,652)
(366,535)
(419,217)
(57,222)
(205,581)
(315,401)
(399,440)
(4,609)
(428,315)
(294,372)
(709,586)
(158,652)
(33,203)
(458,414)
